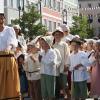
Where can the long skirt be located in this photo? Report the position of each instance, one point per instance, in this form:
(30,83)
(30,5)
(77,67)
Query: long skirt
(47,86)
(95,81)
(9,78)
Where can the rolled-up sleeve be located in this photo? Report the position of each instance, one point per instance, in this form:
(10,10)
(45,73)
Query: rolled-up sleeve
(11,39)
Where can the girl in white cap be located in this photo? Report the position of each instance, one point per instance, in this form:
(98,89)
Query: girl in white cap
(48,68)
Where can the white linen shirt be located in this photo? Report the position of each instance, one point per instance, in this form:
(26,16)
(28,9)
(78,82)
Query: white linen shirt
(81,73)
(48,62)
(7,38)
(65,52)
(22,42)
(31,66)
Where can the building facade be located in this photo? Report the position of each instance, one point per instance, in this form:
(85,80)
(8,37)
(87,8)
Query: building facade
(51,13)
(13,9)
(91,9)
(54,12)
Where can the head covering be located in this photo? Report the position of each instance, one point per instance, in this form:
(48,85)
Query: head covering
(48,40)
(76,40)
(76,36)
(36,38)
(31,44)
(17,27)
(98,41)
(59,29)
(65,28)
(67,39)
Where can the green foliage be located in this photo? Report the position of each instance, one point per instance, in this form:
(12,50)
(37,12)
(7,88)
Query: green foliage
(81,27)
(29,22)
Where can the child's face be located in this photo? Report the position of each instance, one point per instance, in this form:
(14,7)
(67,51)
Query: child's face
(74,46)
(21,60)
(97,47)
(29,48)
(44,45)
(57,36)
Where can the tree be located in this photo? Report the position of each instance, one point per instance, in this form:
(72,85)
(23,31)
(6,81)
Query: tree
(81,26)
(29,22)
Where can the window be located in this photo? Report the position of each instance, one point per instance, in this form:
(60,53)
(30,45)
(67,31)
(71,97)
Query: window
(50,26)
(45,22)
(50,4)
(58,6)
(98,4)
(98,15)
(54,4)
(58,24)
(90,18)
(98,18)
(54,26)
(89,5)
(80,15)
(99,30)
(79,5)
(11,3)
(44,1)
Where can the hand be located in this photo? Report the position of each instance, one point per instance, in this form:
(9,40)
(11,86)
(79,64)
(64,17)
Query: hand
(32,58)
(65,68)
(78,66)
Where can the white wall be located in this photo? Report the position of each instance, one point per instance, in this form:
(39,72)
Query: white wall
(1,6)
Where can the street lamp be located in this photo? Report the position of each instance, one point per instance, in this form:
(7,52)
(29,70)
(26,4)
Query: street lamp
(64,16)
(19,8)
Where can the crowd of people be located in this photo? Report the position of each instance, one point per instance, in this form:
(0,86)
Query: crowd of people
(50,67)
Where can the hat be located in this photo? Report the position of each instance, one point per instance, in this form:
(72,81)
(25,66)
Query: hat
(17,27)
(67,39)
(76,40)
(48,40)
(65,28)
(76,36)
(59,29)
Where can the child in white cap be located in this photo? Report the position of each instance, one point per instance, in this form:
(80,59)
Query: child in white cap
(48,68)
(32,68)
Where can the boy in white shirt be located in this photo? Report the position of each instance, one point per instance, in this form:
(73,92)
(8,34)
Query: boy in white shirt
(78,62)
(32,68)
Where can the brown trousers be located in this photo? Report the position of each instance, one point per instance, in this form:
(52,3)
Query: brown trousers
(35,89)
